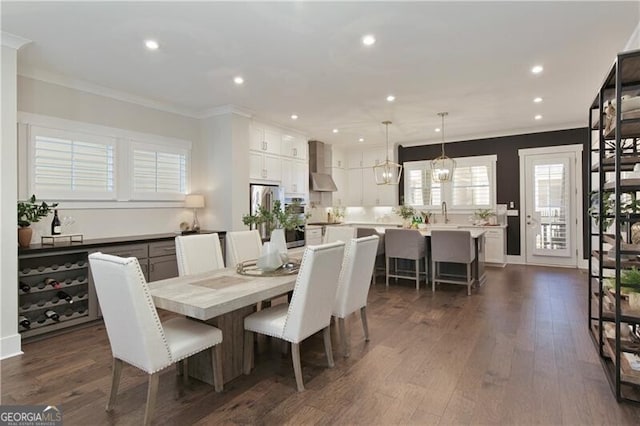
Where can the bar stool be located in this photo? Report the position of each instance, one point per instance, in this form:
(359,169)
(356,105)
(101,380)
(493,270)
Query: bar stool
(377,265)
(404,244)
(452,247)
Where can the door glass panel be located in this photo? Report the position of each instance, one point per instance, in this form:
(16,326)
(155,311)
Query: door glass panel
(551,201)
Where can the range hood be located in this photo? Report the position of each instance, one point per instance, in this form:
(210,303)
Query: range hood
(319,180)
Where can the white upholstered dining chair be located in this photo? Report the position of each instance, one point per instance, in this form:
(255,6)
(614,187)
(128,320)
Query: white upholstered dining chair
(135,332)
(353,284)
(452,247)
(243,246)
(198,253)
(309,310)
(338,233)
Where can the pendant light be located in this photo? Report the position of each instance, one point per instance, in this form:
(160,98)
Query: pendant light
(442,167)
(387,173)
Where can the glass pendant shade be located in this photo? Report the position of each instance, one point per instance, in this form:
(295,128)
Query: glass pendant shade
(442,167)
(387,172)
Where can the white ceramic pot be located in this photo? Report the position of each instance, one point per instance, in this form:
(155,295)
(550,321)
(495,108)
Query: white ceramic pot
(270,259)
(278,241)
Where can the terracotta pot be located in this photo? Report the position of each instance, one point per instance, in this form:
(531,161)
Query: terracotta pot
(24,236)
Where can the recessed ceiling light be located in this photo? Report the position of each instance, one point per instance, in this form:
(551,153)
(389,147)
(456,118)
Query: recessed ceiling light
(361,140)
(437,129)
(537,100)
(335,130)
(391,98)
(537,117)
(537,69)
(294,117)
(151,44)
(368,40)
(238,80)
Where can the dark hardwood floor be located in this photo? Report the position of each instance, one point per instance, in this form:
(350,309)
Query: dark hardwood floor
(515,352)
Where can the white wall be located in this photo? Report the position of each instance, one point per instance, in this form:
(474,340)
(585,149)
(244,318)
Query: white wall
(634,40)
(9,337)
(49,99)
(222,155)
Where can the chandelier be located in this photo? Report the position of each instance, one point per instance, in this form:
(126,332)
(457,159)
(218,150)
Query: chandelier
(387,173)
(442,167)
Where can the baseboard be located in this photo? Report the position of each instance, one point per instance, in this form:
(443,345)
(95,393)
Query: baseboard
(10,346)
(583,264)
(516,260)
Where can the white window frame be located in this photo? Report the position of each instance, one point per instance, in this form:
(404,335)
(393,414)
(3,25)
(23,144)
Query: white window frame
(35,131)
(425,166)
(123,197)
(157,147)
(447,187)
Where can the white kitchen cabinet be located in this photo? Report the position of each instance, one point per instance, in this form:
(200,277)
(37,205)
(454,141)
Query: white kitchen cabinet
(495,240)
(354,159)
(373,157)
(387,195)
(266,141)
(495,246)
(295,177)
(313,235)
(295,147)
(338,160)
(340,178)
(265,167)
(374,194)
(354,188)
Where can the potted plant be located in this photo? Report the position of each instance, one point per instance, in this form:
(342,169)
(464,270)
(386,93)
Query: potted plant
(338,213)
(276,221)
(29,212)
(483,216)
(406,213)
(630,281)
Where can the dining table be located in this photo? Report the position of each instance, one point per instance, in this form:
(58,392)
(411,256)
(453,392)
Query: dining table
(222,298)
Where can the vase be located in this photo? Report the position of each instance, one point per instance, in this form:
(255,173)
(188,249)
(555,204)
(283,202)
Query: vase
(24,236)
(278,241)
(270,259)
(634,300)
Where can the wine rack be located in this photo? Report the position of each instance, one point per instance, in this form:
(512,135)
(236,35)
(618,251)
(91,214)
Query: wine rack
(57,284)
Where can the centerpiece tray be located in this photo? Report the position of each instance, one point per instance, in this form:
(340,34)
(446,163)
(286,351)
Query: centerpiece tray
(250,268)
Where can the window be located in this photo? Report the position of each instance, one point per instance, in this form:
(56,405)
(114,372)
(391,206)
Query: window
(68,165)
(472,186)
(158,172)
(91,166)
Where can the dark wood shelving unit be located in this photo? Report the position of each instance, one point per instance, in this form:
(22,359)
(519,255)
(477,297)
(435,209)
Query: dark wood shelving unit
(613,323)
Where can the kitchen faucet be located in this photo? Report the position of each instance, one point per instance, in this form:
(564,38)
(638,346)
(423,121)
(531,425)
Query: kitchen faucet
(444,212)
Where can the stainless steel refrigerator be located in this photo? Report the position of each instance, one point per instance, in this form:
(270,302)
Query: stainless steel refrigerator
(265,196)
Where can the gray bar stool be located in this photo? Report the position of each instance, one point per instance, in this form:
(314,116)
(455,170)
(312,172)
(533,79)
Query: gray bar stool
(367,232)
(405,244)
(452,247)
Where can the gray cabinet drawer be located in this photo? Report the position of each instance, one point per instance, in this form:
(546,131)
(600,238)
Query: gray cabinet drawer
(130,250)
(162,248)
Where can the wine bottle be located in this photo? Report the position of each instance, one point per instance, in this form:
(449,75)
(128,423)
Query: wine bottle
(56,227)
(24,321)
(62,295)
(52,315)
(52,282)
(24,287)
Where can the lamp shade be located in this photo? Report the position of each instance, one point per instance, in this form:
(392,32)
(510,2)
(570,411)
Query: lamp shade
(194,201)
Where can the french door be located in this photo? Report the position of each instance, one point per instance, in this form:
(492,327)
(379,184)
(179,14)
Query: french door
(550,206)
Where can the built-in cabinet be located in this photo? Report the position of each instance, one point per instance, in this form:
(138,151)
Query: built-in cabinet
(495,240)
(362,189)
(55,286)
(279,159)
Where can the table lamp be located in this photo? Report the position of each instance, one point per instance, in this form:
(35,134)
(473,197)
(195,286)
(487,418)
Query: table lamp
(195,202)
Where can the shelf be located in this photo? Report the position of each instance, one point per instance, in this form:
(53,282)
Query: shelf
(625,185)
(50,270)
(627,164)
(36,307)
(610,263)
(50,325)
(64,284)
(628,314)
(630,128)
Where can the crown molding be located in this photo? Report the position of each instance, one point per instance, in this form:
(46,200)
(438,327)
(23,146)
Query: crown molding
(225,109)
(497,134)
(85,86)
(13,41)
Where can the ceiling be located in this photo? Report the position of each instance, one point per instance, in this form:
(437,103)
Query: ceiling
(471,59)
